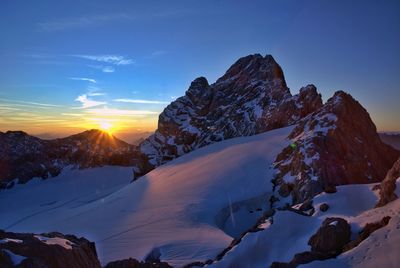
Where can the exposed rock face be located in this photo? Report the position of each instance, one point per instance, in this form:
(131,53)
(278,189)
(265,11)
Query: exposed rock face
(23,157)
(388,185)
(133,263)
(252,97)
(52,250)
(331,237)
(338,144)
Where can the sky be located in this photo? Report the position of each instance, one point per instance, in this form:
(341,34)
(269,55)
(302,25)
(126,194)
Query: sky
(67,66)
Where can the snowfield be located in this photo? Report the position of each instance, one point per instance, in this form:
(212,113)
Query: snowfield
(191,208)
(187,210)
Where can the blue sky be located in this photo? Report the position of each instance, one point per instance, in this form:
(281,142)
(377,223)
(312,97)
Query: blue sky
(71,65)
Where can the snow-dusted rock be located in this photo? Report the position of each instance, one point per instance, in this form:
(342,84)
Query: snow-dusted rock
(133,263)
(252,97)
(46,250)
(330,238)
(338,144)
(388,185)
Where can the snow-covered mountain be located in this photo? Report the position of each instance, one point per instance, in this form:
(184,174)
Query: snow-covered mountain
(250,98)
(24,157)
(245,175)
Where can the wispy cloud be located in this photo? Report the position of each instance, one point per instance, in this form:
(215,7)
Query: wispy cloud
(110,59)
(30,103)
(119,112)
(79,22)
(96,94)
(95,91)
(157,53)
(104,69)
(99,19)
(84,79)
(141,101)
(88,103)
(72,114)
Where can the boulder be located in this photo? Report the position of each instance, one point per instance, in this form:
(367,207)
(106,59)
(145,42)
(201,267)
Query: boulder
(331,237)
(324,207)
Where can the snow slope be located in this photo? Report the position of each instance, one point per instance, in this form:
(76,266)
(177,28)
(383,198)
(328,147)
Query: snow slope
(185,210)
(290,232)
(381,249)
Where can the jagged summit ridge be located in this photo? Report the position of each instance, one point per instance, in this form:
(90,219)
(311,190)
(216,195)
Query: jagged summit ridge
(250,98)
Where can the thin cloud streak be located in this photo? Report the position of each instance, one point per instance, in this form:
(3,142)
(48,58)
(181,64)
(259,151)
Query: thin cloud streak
(72,114)
(88,103)
(119,112)
(78,22)
(104,69)
(95,20)
(140,101)
(96,94)
(31,103)
(84,79)
(110,59)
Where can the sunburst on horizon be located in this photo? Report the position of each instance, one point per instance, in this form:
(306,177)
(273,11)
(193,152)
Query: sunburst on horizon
(106,126)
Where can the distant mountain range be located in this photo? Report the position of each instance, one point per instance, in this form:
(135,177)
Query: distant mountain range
(24,157)
(391,138)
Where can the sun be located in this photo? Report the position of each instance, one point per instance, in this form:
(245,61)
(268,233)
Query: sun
(106,126)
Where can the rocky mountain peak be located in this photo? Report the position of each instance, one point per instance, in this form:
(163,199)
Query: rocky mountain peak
(254,68)
(250,98)
(199,91)
(338,144)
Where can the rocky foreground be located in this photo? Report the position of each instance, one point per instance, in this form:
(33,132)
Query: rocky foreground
(55,250)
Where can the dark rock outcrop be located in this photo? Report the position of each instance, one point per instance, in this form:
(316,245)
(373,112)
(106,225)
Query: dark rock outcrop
(325,244)
(252,97)
(52,250)
(388,185)
(336,145)
(23,156)
(133,263)
(331,237)
(324,207)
